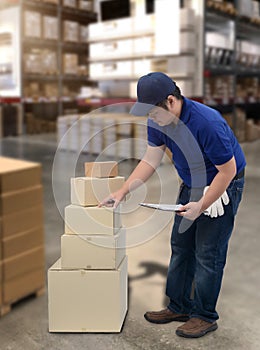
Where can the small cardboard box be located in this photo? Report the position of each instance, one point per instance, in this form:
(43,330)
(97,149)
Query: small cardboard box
(17,174)
(21,221)
(22,242)
(87,300)
(23,263)
(89,191)
(101,169)
(23,285)
(93,252)
(92,220)
(12,202)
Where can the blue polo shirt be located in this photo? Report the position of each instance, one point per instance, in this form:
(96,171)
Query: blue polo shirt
(199,140)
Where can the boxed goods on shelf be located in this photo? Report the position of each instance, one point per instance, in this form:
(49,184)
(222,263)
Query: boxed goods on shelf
(70,63)
(32,24)
(187,19)
(117,88)
(69,3)
(50,28)
(83,34)
(240,125)
(111,49)
(40,61)
(187,42)
(111,69)
(85,5)
(111,29)
(252,131)
(56,2)
(70,31)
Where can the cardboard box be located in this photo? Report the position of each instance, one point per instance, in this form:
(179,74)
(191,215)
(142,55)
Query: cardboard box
(92,220)
(111,29)
(12,202)
(22,242)
(87,300)
(50,28)
(87,191)
(23,263)
(93,252)
(71,31)
(101,169)
(23,285)
(18,174)
(32,24)
(69,3)
(21,221)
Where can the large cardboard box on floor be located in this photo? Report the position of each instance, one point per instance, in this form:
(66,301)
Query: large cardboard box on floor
(93,252)
(22,242)
(101,169)
(88,191)
(23,285)
(21,221)
(92,220)
(87,300)
(12,202)
(18,174)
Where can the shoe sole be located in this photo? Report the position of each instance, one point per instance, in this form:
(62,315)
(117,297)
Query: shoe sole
(177,319)
(198,335)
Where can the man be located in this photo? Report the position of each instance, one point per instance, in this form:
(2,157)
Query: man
(211,165)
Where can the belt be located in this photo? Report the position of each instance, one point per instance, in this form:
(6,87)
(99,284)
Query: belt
(239,175)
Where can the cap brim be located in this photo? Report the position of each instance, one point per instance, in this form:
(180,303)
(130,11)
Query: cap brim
(141,109)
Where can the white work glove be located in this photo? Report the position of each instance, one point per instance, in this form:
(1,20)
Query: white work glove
(216,209)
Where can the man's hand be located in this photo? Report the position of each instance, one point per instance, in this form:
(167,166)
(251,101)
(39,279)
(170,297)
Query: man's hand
(216,209)
(113,199)
(190,211)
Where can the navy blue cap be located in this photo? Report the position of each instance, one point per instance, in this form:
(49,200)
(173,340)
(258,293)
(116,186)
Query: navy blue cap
(152,89)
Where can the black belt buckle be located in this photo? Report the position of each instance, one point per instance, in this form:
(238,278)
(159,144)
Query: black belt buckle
(240,175)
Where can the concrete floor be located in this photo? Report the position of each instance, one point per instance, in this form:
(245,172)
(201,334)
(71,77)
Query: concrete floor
(26,326)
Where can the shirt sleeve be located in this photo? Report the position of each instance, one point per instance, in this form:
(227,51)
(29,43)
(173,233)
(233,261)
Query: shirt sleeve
(154,134)
(216,142)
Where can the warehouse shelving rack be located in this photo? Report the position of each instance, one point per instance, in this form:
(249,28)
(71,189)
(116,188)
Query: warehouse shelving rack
(52,107)
(217,16)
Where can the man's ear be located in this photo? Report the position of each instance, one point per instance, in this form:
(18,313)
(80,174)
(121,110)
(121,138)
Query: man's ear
(171,100)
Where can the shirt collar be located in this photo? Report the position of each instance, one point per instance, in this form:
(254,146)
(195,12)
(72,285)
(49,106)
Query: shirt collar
(185,110)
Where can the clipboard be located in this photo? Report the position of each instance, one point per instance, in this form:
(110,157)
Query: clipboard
(164,207)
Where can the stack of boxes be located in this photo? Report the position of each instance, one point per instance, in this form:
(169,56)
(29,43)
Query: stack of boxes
(88,285)
(21,231)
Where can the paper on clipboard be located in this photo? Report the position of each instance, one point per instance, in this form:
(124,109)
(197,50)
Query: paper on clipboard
(165,207)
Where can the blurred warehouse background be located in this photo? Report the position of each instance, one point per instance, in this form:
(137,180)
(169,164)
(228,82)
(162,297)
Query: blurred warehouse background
(67,63)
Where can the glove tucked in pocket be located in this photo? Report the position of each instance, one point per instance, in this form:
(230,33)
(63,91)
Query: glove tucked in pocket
(216,209)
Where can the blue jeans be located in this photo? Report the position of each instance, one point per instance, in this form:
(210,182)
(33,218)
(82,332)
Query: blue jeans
(199,255)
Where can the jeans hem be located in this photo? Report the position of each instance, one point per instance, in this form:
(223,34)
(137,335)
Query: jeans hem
(177,312)
(206,319)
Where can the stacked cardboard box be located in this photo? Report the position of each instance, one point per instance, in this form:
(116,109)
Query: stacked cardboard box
(21,230)
(88,285)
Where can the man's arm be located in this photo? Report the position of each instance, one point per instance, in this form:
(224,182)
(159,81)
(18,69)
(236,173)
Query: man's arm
(141,173)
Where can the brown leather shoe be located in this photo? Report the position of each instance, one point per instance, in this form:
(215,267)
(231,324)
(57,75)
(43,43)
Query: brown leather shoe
(196,328)
(164,316)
